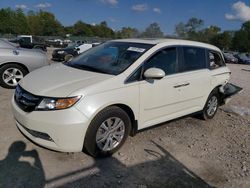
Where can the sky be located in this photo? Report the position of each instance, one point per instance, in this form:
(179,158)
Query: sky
(227,14)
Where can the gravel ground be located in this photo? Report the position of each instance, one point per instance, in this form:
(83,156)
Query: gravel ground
(183,153)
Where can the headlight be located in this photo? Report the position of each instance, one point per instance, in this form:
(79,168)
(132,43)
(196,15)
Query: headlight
(57,103)
(60,52)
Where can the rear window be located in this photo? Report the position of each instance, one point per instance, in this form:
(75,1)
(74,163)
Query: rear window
(194,58)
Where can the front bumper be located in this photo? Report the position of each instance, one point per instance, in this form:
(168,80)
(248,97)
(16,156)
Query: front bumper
(58,57)
(61,130)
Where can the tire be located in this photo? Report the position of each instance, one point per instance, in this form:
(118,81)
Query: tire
(101,127)
(11,74)
(39,47)
(211,105)
(68,57)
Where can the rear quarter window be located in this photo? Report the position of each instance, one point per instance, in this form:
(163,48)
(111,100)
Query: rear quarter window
(215,60)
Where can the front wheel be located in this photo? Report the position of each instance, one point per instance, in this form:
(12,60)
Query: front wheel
(211,106)
(11,74)
(107,132)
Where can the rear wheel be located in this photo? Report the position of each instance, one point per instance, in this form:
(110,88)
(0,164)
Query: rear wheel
(39,47)
(107,132)
(68,57)
(211,106)
(11,74)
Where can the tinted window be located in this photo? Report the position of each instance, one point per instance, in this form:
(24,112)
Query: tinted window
(165,59)
(194,58)
(25,39)
(215,60)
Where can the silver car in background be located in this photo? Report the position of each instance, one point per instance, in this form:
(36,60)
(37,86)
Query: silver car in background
(16,62)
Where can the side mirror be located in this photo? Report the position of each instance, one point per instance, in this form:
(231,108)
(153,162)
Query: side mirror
(154,73)
(77,49)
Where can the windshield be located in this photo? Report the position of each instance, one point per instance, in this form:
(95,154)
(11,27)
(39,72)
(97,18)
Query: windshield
(229,55)
(110,58)
(243,56)
(71,46)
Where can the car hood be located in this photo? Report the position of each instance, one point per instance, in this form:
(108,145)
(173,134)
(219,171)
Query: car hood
(59,80)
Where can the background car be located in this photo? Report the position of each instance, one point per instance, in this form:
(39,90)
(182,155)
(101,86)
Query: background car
(73,49)
(242,58)
(16,62)
(229,58)
(30,42)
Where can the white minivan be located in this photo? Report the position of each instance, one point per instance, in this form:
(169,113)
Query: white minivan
(113,90)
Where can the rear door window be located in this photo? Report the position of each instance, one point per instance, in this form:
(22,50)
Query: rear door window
(194,58)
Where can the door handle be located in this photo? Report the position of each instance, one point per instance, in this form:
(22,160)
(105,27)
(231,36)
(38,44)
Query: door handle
(182,85)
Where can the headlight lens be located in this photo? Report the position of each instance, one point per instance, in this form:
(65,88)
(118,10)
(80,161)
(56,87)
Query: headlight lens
(60,52)
(57,103)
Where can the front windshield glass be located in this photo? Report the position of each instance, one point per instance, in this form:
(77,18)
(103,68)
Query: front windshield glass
(110,57)
(243,56)
(70,46)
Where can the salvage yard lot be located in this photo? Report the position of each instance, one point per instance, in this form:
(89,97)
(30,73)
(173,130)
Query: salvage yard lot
(184,153)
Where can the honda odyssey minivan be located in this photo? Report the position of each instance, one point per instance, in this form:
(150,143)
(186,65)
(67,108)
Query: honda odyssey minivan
(96,100)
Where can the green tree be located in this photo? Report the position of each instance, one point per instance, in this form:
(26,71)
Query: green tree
(21,22)
(127,32)
(190,30)
(44,23)
(82,29)
(35,26)
(194,24)
(50,26)
(181,30)
(207,34)
(153,30)
(241,39)
(102,30)
(7,21)
(223,40)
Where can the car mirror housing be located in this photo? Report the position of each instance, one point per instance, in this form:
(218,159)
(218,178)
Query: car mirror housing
(154,73)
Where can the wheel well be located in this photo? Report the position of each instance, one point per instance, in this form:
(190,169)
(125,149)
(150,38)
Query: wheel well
(217,89)
(23,66)
(130,113)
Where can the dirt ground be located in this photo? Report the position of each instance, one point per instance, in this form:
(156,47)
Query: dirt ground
(184,153)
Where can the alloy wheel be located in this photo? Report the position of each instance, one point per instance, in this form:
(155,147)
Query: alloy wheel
(212,105)
(110,134)
(12,76)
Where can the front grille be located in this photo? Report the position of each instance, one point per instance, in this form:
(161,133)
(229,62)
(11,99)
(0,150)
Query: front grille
(25,100)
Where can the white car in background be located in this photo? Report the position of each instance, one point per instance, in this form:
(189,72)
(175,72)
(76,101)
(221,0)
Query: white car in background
(84,47)
(117,88)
